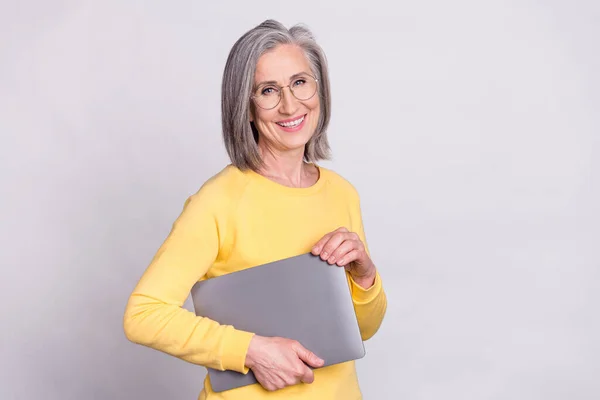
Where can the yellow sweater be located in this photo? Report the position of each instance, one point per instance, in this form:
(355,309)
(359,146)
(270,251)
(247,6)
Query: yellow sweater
(237,220)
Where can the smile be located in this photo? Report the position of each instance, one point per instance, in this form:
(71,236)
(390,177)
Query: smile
(291,124)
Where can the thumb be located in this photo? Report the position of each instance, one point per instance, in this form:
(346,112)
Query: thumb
(308,356)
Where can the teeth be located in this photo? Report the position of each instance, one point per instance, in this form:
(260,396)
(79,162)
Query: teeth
(292,123)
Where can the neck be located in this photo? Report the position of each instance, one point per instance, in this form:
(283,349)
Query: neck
(287,168)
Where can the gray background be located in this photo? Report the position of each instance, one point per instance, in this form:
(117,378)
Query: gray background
(470,128)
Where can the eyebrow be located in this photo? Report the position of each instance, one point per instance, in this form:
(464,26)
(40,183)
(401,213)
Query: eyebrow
(275,82)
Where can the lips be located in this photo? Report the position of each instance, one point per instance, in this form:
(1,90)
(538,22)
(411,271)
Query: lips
(292,122)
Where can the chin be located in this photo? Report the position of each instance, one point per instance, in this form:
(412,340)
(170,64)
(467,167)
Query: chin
(297,142)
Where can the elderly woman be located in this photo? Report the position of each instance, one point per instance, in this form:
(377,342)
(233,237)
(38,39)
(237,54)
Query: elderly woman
(272,202)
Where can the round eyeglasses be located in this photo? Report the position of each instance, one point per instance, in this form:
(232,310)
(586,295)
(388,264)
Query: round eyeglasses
(268,95)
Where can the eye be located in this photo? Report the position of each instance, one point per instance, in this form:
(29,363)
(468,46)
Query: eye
(268,91)
(299,82)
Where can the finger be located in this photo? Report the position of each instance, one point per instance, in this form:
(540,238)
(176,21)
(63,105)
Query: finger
(342,250)
(270,383)
(308,356)
(333,243)
(348,258)
(316,250)
(279,383)
(309,376)
(291,380)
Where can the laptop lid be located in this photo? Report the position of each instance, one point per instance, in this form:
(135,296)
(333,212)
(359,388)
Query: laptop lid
(301,298)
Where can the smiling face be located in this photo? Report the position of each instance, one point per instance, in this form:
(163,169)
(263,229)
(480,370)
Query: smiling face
(288,126)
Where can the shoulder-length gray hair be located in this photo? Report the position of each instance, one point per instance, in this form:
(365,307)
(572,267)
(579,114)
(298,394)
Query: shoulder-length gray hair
(239,134)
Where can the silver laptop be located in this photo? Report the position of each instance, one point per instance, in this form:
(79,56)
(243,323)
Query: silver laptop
(301,298)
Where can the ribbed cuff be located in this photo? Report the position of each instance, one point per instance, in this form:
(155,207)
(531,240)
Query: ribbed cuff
(363,296)
(234,350)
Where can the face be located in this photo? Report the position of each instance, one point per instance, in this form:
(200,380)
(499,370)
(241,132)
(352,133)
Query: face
(291,124)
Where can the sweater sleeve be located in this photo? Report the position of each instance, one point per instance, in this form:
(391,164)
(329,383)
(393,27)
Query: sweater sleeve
(370,304)
(154,315)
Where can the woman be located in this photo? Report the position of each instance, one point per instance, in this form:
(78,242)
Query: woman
(270,203)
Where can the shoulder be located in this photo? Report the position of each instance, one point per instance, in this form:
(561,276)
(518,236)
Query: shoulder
(339,183)
(220,190)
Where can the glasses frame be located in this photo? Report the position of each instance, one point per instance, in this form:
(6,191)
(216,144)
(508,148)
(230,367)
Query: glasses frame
(253,97)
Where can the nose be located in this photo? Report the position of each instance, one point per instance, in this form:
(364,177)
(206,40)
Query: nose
(289,104)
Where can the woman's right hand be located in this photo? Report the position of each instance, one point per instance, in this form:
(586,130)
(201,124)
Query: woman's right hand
(278,362)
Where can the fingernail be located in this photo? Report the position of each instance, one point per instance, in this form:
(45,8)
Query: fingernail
(325,254)
(332,260)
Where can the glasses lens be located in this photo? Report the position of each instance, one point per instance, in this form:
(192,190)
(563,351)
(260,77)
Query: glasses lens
(267,97)
(304,87)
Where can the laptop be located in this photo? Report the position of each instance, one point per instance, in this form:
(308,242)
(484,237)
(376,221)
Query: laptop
(301,298)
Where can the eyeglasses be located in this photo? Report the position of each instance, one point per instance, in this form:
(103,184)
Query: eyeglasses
(268,95)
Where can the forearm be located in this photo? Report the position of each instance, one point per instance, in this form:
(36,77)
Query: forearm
(370,304)
(179,332)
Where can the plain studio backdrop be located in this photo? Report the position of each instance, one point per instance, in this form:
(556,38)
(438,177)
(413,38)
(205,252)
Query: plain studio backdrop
(471,130)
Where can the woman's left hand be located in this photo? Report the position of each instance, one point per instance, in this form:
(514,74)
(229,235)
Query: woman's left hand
(345,249)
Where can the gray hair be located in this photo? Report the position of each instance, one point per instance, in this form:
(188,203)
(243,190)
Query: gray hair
(239,134)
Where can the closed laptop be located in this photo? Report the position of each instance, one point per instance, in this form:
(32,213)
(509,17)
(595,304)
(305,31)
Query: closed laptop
(301,298)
